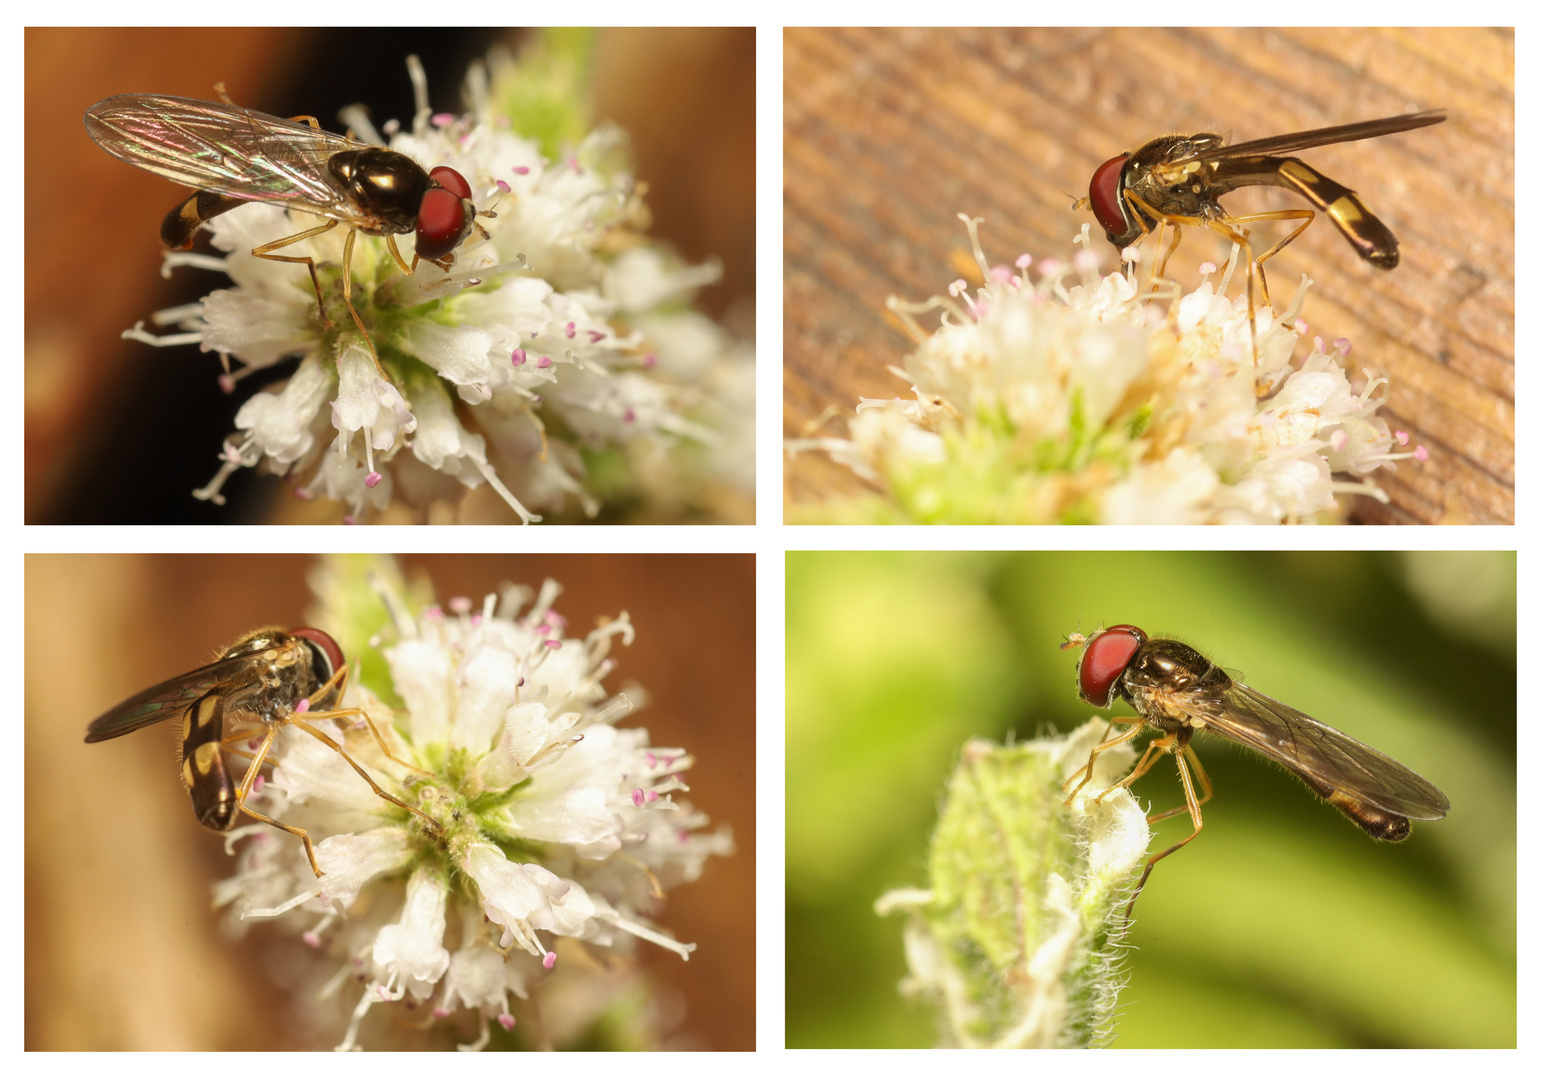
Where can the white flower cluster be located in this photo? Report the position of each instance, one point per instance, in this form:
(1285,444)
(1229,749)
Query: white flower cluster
(560,336)
(1057,403)
(534,817)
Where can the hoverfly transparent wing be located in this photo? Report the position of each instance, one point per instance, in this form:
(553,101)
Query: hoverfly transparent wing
(223,148)
(1328,760)
(1304,140)
(164,700)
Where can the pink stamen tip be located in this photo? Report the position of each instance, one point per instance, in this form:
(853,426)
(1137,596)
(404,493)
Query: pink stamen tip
(1421,453)
(303,705)
(549,961)
(637,796)
(1024,261)
(650,360)
(503,187)
(595,337)
(460,604)
(304,493)
(257,784)
(349,519)
(440,1012)
(522,170)
(1206,268)
(517,357)
(1401,437)
(228,383)
(372,479)
(443,119)
(543,362)
(571,329)
(628,417)
(1001,274)
(435,612)
(311,938)
(1339,439)
(552,643)
(506,1021)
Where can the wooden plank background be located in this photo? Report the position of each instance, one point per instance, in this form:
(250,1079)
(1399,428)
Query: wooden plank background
(889,134)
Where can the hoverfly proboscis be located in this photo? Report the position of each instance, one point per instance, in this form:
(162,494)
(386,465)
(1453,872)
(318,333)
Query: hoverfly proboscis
(1178,180)
(235,156)
(269,678)
(1176,690)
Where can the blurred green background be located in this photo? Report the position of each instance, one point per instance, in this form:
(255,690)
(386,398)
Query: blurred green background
(1282,924)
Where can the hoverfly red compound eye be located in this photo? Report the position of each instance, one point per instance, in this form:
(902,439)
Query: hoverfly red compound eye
(323,641)
(1107,198)
(1104,661)
(451,180)
(446,213)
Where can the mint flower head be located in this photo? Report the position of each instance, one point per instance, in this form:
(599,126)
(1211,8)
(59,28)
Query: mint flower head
(540,836)
(1075,399)
(554,362)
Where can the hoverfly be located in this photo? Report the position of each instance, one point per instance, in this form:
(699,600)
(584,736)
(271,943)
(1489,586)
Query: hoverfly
(1176,690)
(269,678)
(235,156)
(1178,180)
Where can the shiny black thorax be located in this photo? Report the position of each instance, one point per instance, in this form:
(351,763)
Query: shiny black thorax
(387,184)
(1164,674)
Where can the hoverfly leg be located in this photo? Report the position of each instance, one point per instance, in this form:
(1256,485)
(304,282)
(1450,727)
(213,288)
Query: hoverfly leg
(1191,804)
(1085,772)
(258,756)
(1306,217)
(348,299)
(335,687)
(310,264)
(1240,238)
(397,255)
(335,745)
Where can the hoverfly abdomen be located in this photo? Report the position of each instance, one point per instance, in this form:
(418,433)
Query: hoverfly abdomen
(204,771)
(180,227)
(1366,232)
(1376,823)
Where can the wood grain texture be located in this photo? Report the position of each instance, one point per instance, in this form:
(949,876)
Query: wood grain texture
(889,134)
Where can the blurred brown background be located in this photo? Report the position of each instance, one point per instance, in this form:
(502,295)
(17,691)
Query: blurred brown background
(889,134)
(121,432)
(123,949)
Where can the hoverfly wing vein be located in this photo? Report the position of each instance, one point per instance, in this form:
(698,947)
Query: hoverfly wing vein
(226,149)
(1304,140)
(1327,759)
(162,701)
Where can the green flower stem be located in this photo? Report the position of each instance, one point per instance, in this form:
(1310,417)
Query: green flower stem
(1016,940)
